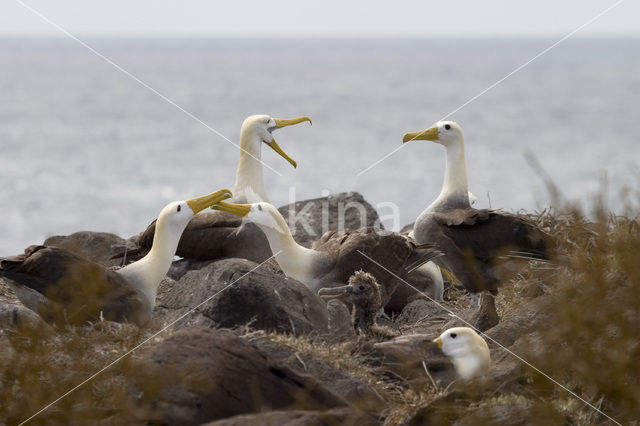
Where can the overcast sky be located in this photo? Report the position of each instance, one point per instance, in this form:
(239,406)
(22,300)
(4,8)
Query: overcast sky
(321,17)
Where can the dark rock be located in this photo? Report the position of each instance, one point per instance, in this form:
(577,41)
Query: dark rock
(407,357)
(355,391)
(14,315)
(217,235)
(335,417)
(182,266)
(310,219)
(481,318)
(421,281)
(222,375)
(420,312)
(100,247)
(535,315)
(263,299)
(183,316)
(340,326)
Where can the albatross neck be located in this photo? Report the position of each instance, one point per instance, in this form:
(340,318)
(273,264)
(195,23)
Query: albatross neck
(147,273)
(454,192)
(294,259)
(249,176)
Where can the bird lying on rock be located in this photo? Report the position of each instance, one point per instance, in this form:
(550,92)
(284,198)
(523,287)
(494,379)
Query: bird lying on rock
(215,235)
(468,351)
(65,288)
(458,354)
(364,294)
(471,239)
(338,254)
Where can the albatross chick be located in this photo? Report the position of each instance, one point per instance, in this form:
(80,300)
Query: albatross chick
(364,294)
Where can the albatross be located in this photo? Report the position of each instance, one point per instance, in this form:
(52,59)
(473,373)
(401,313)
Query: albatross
(468,351)
(215,235)
(363,292)
(337,255)
(472,240)
(65,288)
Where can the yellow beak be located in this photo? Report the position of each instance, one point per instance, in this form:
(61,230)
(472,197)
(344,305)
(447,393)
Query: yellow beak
(239,209)
(284,122)
(430,134)
(274,145)
(439,342)
(201,203)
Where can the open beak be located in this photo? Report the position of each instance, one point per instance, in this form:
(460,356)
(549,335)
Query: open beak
(200,203)
(430,134)
(284,122)
(341,293)
(239,209)
(439,342)
(274,145)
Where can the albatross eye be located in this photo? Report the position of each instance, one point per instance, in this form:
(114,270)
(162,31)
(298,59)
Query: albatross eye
(446,126)
(361,287)
(453,335)
(259,207)
(179,208)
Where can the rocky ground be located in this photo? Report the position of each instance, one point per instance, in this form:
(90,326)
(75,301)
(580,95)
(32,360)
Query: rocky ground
(260,348)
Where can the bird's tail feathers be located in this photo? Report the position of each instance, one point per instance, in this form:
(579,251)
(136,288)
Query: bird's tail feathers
(428,253)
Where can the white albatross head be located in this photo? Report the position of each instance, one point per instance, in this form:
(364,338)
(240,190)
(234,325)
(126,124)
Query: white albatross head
(258,129)
(446,133)
(263,214)
(146,274)
(467,349)
(175,216)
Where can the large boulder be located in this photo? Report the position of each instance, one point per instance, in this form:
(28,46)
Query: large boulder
(355,391)
(100,247)
(310,219)
(337,416)
(13,314)
(235,293)
(417,359)
(222,375)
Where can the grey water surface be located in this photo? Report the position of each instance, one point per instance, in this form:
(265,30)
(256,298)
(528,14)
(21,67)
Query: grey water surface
(84,146)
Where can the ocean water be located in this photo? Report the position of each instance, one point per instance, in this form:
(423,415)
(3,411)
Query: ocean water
(85,147)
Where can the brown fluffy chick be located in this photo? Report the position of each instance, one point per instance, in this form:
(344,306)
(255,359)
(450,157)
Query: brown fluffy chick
(364,294)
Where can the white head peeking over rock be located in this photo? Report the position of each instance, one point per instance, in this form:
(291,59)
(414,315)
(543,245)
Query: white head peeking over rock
(468,351)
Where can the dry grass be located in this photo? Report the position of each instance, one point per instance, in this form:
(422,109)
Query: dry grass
(45,363)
